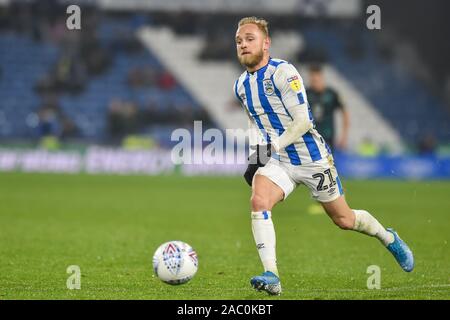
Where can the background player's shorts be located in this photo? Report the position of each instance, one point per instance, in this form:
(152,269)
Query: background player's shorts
(320,177)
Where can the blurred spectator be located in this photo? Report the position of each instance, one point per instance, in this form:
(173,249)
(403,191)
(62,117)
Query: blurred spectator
(68,76)
(122,118)
(48,121)
(142,77)
(96,58)
(166,81)
(89,52)
(324,102)
(178,114)
(427,145)
(52,121)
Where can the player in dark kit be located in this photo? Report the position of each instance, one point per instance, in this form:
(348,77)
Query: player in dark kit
(324,102)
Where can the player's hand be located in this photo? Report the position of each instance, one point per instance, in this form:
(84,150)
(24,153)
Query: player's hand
(257,159)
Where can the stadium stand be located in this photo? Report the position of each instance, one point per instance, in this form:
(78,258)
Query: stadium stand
(124,88)
(401,100)
(22,62)
(128,84)
(216,75)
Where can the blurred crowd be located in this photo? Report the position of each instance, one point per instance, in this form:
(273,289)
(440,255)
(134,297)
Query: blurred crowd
(84,56)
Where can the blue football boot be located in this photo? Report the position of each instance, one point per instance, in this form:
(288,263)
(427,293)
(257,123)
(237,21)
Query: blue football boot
(268,282)
(401,252)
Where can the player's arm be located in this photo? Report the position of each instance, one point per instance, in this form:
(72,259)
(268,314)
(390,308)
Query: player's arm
(290,84)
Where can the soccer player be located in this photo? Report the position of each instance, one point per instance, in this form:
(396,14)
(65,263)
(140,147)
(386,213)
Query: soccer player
(324,102)
(272,94)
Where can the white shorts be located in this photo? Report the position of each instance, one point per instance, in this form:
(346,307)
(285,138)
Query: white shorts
(320,177)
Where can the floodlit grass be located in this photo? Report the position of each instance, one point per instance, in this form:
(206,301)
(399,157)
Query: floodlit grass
(111,225)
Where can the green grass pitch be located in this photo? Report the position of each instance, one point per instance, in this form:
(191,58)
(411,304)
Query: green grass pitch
(110,226)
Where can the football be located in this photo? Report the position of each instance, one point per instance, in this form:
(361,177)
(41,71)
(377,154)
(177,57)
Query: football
(175,262)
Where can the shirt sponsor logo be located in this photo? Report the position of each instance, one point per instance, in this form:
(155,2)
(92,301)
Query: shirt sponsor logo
(294,83)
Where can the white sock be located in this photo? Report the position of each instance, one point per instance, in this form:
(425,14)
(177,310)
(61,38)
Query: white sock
(264,234)
(367,224)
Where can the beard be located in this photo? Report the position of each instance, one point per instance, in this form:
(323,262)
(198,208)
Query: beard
(251,60)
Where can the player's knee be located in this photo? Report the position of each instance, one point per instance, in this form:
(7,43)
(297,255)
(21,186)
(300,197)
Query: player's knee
(260,203)
(343,222)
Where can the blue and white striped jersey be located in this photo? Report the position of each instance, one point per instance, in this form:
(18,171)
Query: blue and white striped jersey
(267,95)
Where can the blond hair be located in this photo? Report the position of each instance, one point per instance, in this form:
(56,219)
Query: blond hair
(261,23)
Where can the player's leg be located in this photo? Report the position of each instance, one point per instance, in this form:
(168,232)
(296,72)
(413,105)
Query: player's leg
(322,179)
(271,184)
(265,194)
(359,220)
(362,221)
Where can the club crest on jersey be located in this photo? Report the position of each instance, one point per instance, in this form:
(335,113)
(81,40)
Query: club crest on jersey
(243,97)
(268,87)
(294,83)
